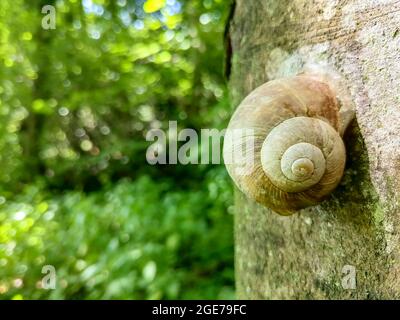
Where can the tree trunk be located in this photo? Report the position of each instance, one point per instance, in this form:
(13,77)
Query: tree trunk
(316,252)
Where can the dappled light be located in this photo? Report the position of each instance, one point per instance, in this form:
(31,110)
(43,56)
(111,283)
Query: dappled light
(76,191)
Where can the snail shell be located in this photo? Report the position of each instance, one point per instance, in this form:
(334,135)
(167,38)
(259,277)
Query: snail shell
(293,152)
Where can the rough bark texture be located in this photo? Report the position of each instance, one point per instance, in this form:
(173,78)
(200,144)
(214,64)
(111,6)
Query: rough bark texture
(302,256)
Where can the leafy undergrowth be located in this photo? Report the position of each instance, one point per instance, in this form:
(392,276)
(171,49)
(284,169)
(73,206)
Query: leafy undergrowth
(136,240)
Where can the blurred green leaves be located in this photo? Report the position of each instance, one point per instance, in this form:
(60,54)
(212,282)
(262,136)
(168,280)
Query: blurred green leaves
(76,191)
(104,60)
(137,240)
(153,5)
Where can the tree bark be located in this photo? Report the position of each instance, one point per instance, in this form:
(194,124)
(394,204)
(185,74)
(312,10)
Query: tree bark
(309,254)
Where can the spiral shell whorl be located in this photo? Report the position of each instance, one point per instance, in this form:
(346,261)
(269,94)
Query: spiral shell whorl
(298,153)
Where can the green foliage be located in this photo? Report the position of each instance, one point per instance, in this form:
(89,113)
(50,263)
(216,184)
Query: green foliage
(137,240)
(81,98)
(76,191)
